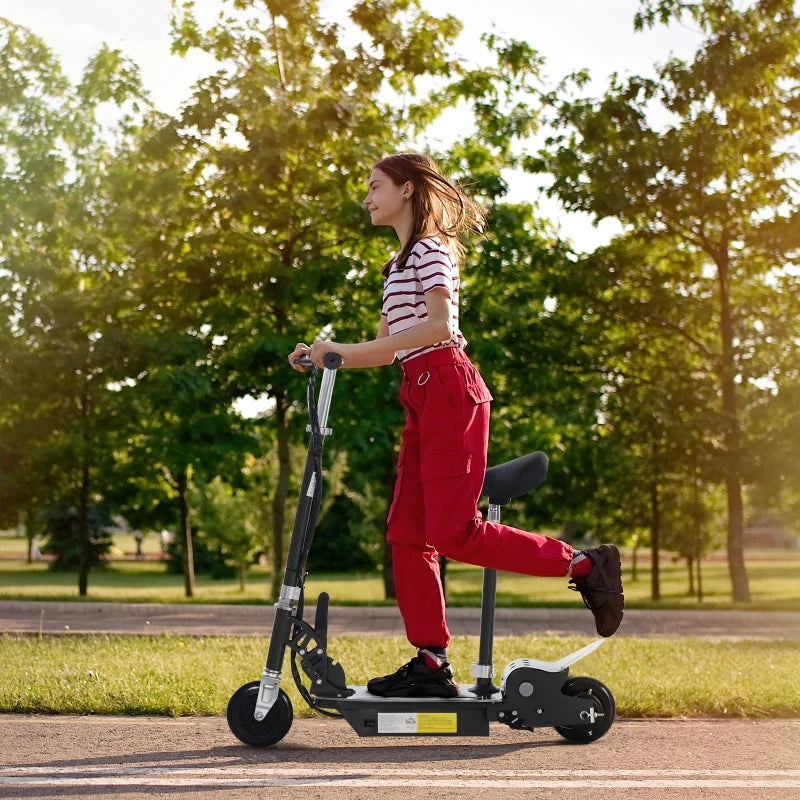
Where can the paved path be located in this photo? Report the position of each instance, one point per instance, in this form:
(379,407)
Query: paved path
(250,620)
(129,758)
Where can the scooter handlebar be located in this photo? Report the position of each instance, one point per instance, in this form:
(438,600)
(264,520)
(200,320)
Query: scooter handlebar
(331,361)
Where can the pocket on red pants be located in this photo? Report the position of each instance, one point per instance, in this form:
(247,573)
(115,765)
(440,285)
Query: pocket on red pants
(479,392)
(445,464)
(462,386)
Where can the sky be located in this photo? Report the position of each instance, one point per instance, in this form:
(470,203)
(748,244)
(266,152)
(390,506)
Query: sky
(596,35)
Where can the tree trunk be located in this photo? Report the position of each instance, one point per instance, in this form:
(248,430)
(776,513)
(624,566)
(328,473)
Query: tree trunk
(281,493)
(84,561)
(690,569)
(83,533)
(699,528)
(732,436)
(187,550)
(699,580)
(242,576)
(655,541)
(27,516)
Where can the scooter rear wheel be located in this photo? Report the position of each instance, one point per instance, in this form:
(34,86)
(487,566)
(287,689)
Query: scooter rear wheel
(603,702)
(245,727)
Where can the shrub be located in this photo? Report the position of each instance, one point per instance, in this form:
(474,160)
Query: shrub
(61,522)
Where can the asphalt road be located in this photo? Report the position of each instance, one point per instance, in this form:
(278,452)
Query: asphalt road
(252,620)
(100,758)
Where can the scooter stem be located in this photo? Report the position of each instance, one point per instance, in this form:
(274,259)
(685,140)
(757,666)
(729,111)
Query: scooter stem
(303,522)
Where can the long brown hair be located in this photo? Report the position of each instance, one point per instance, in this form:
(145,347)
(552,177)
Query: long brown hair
(439,208)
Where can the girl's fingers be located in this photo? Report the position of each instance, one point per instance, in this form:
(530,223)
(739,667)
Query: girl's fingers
(300,350)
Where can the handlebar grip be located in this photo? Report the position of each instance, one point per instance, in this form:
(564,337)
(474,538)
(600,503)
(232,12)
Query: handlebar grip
(331,360)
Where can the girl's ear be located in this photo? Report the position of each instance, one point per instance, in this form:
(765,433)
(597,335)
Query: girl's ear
(408,190)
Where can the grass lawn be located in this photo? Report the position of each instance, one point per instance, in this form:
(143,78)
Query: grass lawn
(184,675)
(773,583)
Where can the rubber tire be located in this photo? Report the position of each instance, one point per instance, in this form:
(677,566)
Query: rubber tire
(603,701)
(245,727)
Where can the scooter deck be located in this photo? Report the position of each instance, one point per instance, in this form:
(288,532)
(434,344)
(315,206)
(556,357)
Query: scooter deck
(370,715)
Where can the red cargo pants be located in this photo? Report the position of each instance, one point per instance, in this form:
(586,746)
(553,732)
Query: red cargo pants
(440,475)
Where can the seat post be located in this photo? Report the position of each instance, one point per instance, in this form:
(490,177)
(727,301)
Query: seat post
(483,671)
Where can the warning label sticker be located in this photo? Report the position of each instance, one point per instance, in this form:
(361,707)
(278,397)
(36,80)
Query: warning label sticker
(424,722)
(437,723)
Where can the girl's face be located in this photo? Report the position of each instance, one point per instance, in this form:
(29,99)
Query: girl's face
(386,202)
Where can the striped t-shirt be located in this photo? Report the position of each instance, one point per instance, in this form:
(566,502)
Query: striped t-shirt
(429,266)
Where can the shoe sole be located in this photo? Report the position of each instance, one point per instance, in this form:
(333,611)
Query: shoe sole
(611,563)
(611,568)
(417,691)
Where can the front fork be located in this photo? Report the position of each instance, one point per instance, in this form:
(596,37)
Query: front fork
(281,629)
(304,522)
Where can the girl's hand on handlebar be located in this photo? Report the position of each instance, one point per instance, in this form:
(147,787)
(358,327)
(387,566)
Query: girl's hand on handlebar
(320,348)
(299,351)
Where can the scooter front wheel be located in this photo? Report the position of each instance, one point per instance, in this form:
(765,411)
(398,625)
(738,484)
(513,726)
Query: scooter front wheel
(244,725)
(603,704)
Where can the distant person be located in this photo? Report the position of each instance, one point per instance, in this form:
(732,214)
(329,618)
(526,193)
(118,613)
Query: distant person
(444,442)
(139,537)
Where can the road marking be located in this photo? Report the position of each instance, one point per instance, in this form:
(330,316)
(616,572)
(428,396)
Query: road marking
(353,776)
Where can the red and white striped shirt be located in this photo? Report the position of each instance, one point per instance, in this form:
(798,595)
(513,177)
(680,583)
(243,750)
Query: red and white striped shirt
(429,266)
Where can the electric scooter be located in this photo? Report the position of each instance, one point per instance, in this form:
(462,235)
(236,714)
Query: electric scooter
(532,694)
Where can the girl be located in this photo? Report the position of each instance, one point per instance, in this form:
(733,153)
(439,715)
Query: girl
(445,438)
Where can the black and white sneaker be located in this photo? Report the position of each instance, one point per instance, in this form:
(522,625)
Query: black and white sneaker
(601,589)
(416,679)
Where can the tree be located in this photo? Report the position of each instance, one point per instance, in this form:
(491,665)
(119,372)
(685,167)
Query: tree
(58,413)
(658,417)
(285,132)
(690,528)
(712,179)
(187,430)
(65,539)
(224,519)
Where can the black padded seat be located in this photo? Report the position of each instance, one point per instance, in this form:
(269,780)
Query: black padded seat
(514,478)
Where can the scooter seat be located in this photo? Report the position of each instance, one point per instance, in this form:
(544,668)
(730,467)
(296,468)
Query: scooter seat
(504,482)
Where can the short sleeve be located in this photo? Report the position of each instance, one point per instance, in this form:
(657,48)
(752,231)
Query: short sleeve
(434,266)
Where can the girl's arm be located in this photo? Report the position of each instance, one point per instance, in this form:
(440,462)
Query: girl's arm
(381,350)
(303,349)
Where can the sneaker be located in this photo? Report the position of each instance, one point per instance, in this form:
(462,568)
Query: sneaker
(416,679)
(601,589)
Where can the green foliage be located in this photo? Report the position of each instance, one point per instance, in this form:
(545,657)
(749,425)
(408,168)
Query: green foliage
(342,542)
(707,197)
(209,558)
(60,418)
(63,528)
(286,131)
(155,270)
